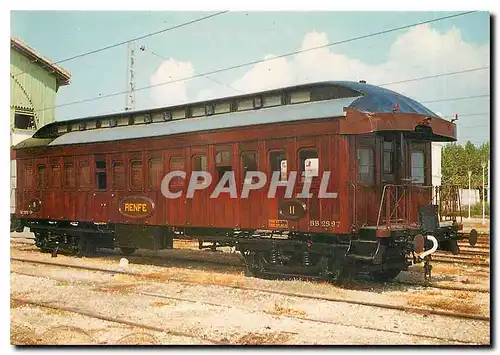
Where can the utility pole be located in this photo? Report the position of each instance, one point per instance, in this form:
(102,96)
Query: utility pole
(483,164)
(130,98)
(468,192)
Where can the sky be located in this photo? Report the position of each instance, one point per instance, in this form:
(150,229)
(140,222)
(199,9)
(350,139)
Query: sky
(234,38)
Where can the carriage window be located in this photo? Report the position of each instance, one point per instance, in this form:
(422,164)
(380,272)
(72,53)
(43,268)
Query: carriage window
(200,164)
(245,104)
(28,177)
(223,164)
(155,170)
(223,158)
(277,160)
(249,163)
(332,92)
(100,174)
(24,121)
(366,165)
(417,167)
(55,176)
(41,177)
(388,157)
(274,100)
(84,179)
(301,96)
(118,175)
(309,164)
(177,164)
(136,175)
(69,175)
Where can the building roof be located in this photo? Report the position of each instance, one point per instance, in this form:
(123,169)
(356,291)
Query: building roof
(62,75)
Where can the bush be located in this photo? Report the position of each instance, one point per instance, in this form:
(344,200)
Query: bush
(476,210)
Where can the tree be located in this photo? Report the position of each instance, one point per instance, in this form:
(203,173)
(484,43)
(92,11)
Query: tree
(458,159)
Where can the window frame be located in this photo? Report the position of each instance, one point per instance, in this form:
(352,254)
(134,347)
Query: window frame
(423,167)
(38,181)
(32,180)
(30,117)
(177,181)
(100,170)
(271,170)
(78,181)
(224,165)
(391,153)
(193,167)
(242,165)
(113,175)
(52,175)
(301,178)
(157,185)
(65,174)
(131,169)
(373,166)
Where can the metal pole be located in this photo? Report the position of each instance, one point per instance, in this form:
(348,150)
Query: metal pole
(468,192)
(484,200)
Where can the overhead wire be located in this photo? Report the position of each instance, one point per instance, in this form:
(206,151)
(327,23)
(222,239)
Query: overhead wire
(455,98)
(129,40)
(435,76)
(283,56)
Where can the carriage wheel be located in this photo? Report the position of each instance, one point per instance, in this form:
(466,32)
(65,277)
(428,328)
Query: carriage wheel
(128,250)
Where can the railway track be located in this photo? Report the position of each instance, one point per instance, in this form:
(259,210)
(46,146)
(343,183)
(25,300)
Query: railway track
(96,315)
(450,260)
(277,292)
(247,309)
(237,267)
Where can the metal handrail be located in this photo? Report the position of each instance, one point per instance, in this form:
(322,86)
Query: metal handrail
(386,192)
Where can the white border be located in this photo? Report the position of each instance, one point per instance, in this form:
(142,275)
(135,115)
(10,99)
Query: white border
(155,5)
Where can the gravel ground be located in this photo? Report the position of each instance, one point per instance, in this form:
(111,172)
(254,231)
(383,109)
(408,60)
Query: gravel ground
(207,321)
(268,318)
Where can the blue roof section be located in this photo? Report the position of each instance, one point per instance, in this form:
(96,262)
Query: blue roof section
(277,114)
(379,99)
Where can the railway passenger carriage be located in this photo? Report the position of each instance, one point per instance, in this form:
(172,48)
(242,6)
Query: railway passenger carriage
(97,182)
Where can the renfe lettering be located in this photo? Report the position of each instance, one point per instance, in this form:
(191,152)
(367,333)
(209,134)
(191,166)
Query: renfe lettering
(136,207)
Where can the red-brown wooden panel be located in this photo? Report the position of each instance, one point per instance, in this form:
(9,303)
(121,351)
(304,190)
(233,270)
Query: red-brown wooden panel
(155,168)
(222,209)
(197,207)
(175,208)
(273,150)
(250,208)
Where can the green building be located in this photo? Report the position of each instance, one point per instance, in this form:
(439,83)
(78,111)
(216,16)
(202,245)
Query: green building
(34,82)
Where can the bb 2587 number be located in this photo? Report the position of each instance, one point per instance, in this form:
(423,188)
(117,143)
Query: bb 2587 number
(327,224)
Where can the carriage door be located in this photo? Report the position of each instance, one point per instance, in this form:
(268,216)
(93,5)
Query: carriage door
(197,206)
(101,195)
(223,206)
(393,154)
(153,188)
(308,179)
(277,163)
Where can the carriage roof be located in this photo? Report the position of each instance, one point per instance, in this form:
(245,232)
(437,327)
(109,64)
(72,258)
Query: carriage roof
(296,103)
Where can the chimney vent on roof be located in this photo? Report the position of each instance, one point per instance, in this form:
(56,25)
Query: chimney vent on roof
(362,81)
